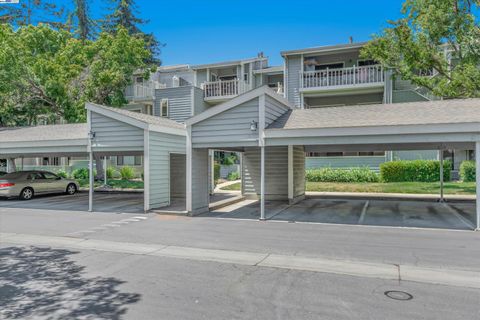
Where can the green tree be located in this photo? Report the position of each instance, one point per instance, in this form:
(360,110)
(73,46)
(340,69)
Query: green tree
(85,24)
(124,14)
(32,12)
(48,73)
(435,45)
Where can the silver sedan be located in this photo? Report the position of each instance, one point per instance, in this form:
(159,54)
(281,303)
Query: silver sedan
(26,184)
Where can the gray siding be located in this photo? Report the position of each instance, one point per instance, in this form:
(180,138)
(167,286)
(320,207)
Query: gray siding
(276,173)
(415,155)
(201,77)
(186,76)
(229,128)
(298,171)
(294,66)
(273,110)
(178,177)
(400,96)
(114,135)
(347,100)
(179,102)
(161,145)
(199,104)
(200,192)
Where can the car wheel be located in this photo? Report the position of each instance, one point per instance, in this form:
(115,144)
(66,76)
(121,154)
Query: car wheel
(26,194)
(71,189)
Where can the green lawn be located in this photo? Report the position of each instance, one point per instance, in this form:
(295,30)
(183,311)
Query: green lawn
(393,187)
(233,187)
(117,184)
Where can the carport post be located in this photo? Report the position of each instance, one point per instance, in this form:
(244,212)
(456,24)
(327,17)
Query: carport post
(262,183)
(105,181)
(440,155)
(477,178)
(90,184)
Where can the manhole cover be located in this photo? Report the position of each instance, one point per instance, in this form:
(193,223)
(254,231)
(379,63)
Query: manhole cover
(398,295)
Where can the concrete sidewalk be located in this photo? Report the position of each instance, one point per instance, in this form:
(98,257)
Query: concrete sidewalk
(440,276)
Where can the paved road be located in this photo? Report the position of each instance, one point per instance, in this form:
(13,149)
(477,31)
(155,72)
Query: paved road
(107,276)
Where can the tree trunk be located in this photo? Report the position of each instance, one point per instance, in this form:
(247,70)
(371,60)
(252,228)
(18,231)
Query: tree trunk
(99,167)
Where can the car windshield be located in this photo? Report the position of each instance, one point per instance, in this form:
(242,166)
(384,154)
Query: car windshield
(13,175)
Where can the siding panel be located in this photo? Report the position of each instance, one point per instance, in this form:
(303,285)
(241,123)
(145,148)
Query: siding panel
(179,102)
(114,135)
(294,66)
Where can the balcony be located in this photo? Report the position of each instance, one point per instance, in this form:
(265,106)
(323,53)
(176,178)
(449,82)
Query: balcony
(223,90)
(342,79)
(140,92)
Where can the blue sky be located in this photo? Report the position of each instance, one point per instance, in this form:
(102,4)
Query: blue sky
(212,30)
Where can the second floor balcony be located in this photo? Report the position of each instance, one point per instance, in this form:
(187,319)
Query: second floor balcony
(141,91)
(342,78)
(223,89)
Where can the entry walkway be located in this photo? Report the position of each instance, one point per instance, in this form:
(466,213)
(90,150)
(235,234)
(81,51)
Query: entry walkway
(386,213)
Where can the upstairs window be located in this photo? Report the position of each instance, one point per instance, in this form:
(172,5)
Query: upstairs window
(364,63)
(164,108)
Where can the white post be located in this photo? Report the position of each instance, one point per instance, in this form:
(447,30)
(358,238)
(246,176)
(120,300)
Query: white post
(290,173)
(90,187)
(262,183)
(105,179)
(440,155)
(477,175)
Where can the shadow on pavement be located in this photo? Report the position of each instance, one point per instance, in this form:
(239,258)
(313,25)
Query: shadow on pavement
(46,283)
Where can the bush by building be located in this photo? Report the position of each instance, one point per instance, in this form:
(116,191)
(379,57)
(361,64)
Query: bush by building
(341,175)
(467,171)
(414,171)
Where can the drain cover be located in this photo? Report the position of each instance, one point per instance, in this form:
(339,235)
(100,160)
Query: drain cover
(398,295)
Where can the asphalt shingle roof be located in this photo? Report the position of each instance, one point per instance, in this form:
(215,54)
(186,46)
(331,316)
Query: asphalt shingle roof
(412,113)
(72,131)
(154,120)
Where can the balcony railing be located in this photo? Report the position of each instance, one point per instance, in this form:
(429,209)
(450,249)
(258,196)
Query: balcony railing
(140,91)
(342,77)
(220,89)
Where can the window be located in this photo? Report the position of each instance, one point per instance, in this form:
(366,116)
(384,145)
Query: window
(337,65)
(137,161)
(49,176)
(120,161)
(139,79)
(164,108)
(363,63)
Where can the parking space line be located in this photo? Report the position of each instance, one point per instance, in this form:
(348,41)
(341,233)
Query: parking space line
(459,216)
(364,212)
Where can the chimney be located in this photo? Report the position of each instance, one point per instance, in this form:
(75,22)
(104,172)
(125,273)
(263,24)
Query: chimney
(260,54)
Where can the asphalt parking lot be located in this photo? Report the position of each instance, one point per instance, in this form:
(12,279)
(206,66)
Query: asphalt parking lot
(394,213)
(102,202)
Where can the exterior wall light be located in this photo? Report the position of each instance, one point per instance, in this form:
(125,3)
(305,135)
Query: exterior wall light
(253,125)
(91,135)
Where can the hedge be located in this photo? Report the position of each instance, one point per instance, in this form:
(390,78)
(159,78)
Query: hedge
(414,171)
(216,172)
(341,175)
(467,171)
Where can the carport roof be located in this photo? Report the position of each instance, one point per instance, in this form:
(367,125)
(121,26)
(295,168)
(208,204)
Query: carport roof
(74,131)
(398,114)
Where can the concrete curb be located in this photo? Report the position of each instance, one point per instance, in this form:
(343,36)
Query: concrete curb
(388,196)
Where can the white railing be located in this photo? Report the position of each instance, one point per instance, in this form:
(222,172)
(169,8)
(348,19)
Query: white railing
(342,77)
(218,89)
(140,91)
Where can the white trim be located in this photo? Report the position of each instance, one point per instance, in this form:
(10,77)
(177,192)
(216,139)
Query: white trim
(477,180)
(250,95)
(167,130)
(192,101)
(324,49)
(262,183)
(189,177)
(46,143)
(146,170)
(161,107)
(445,128)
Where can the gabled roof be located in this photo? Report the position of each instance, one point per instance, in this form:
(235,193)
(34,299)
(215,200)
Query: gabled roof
(247,96)
(323,49)
(140,120)
(226,63)
(399,114)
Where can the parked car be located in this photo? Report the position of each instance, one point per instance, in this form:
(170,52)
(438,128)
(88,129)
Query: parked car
(26,184)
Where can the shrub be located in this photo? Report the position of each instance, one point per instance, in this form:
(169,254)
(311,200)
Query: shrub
(341,175)
(414,171)
(216,172)
(467,171)
(111,172)
(127,173)
(62,173)
(233,176)
(80,174)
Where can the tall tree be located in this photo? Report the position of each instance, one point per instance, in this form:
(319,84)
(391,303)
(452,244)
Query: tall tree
(125,14)
(32,12)
(437,38)
(85,24)
(49,73)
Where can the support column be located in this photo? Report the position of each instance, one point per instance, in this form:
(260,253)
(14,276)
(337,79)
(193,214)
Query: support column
(477,175)
(440,156)
(91,181)
(290,174)
(262,183)
(105,179)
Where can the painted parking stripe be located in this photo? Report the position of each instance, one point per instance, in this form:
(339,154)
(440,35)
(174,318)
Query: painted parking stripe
(459,216)
(364,212)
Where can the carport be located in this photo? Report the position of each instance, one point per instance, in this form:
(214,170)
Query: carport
(274,137)
(112,131)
